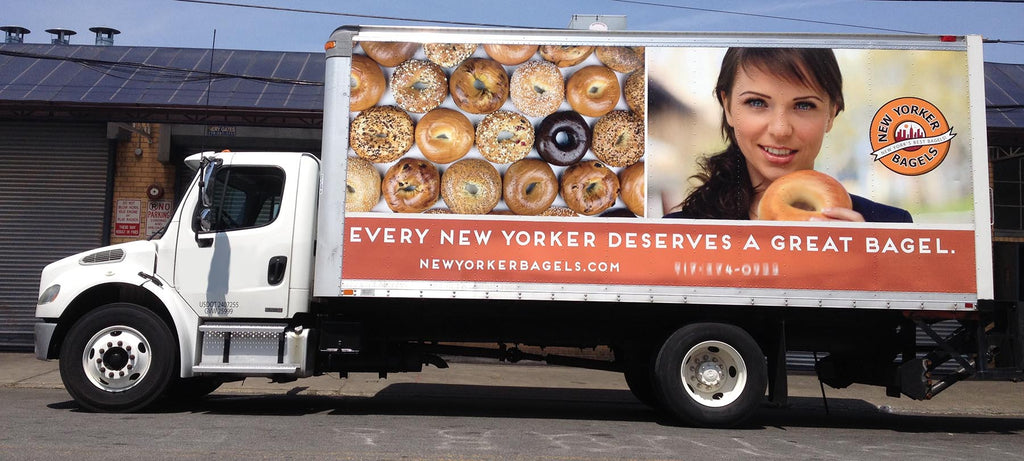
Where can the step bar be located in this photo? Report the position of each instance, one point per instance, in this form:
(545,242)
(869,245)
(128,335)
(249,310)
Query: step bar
(253,349)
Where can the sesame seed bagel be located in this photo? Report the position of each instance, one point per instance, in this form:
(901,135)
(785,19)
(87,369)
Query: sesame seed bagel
(448,54)
(419,86)
(619,138)
(537,88)
(634,89)
(362,185)
(504,137)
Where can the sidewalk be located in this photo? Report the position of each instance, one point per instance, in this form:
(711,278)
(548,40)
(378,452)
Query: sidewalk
(976,398)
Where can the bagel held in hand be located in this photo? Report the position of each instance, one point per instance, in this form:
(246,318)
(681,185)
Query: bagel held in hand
(802,196)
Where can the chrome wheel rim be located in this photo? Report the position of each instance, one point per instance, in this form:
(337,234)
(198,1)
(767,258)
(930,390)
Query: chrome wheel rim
(117,358)
(713,373)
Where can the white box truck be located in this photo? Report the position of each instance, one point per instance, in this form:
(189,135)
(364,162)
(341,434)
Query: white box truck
(399,247)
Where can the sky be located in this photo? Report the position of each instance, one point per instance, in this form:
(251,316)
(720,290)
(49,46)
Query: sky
(189,24)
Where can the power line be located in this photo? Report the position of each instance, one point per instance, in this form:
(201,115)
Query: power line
(976,1)
(355,15)
(635,2)
(766,16)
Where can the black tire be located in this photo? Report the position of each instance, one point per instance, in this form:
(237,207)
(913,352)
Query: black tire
(724,381)
(641,383)
(191,389)
(638,370)
(118,358)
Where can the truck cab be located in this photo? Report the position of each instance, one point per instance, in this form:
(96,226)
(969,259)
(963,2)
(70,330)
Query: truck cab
(240,245)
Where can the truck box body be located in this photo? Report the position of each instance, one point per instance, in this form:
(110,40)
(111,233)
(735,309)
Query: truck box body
(939,262)
(263,272)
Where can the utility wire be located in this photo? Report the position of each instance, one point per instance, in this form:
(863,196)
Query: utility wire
(355,15)
(635,2)
(812,21)
(766,16)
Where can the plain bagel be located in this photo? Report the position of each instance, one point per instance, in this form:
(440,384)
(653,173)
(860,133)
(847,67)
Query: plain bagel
(471,186)
(801,195)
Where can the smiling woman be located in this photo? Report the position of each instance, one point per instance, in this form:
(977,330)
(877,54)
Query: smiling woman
(777,106)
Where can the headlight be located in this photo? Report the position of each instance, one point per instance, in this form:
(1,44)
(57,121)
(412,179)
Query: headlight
(49,294)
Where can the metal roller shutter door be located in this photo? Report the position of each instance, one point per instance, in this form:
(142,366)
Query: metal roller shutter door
(53,189)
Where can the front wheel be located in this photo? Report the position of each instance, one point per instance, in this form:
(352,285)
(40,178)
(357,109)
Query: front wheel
(711,374)
(117,358)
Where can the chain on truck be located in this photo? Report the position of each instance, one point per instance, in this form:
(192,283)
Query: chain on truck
(386,254)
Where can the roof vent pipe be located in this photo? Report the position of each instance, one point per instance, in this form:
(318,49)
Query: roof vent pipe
(14,34)
(104,35)
(61,36)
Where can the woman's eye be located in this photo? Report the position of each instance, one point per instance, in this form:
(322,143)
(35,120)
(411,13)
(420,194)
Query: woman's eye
(805,105)
(755,102)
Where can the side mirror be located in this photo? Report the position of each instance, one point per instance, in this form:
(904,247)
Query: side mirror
(202,221)
(207,171)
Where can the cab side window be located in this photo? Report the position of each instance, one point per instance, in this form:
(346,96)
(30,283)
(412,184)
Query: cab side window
(245,197)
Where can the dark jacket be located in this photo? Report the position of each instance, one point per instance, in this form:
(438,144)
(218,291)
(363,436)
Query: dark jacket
(872,211)
(878,212)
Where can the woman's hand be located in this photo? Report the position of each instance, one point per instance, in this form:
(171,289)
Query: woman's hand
(839,214)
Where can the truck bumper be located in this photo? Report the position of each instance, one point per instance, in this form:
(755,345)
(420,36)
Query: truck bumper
(44,332)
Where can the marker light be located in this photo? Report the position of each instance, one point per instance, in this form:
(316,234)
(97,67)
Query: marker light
(49,294)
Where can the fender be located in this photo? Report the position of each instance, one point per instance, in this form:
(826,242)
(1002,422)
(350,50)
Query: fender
(86,282)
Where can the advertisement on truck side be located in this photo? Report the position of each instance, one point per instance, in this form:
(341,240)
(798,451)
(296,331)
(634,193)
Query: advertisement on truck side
(709,129)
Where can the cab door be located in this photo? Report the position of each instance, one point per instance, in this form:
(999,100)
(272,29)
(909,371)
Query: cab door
(240,266)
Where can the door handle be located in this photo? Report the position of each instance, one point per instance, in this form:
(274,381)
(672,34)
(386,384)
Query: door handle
(276,269)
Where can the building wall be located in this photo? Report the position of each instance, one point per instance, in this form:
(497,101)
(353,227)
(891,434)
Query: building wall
(135,173)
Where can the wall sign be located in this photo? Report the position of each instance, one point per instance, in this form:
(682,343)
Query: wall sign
(127,218)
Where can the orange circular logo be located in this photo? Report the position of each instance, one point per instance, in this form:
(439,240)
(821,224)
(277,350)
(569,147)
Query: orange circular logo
(910,136)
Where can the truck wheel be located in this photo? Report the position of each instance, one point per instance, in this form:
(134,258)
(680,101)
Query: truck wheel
(711,374)
(638,370)
(640,383)
(117,358)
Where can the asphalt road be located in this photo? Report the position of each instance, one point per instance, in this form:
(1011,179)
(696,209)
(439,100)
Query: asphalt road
(461,422)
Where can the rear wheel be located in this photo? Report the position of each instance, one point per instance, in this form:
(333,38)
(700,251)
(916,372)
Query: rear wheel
(118,358)
(711,374)
(638,370)
(641,384)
